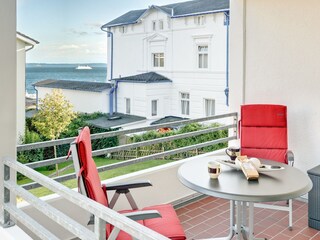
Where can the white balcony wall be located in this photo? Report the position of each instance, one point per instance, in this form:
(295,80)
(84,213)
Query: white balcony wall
(274,59)
(178,40)
(82,101)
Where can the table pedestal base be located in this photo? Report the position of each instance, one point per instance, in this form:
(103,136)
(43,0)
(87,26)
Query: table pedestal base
(241,225)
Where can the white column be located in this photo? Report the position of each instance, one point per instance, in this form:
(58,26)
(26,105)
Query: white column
(7,86)
(237,54)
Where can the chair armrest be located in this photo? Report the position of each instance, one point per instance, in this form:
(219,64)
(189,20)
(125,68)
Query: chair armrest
(290,157)
(123,188)
(128,185)
(143,215)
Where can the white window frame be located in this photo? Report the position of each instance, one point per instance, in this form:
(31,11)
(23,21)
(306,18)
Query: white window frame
(158,60)
(123,29)
(128,105)
(185,103)
(209,107)
(203,56)
(154,107)
(154,25)
(200,20)
(161,24)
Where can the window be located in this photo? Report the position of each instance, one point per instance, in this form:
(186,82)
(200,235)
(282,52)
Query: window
(185,103)
(161,24)
(154,107)
(209,107)
(153,25)
(203,56)
(128,106)
(199,20)
(123,29)
(158,59)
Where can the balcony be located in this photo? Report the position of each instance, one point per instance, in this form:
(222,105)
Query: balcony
(65,213)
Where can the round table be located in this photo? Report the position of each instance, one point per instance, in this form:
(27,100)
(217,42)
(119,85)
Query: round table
(232,185)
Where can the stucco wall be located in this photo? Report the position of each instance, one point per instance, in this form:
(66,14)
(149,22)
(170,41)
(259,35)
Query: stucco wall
(178,41)
(83,101)
(280,66)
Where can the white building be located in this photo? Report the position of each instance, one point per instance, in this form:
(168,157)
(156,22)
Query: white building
(86,97)
(24,44)
(184,42)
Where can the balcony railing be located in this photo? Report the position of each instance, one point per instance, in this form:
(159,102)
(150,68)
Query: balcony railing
(102,214)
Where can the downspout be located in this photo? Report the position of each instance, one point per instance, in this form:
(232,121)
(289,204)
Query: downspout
(227,23)
(110,34)
(37,98)
(116,97)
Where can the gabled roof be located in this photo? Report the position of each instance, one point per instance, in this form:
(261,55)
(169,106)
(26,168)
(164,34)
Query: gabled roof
(149,77)
(175,10)
(26,39)
(74,85)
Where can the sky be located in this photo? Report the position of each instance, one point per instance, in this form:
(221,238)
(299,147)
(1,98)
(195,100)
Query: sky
(69,30)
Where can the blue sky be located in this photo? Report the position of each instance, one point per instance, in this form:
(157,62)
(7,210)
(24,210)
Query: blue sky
(69,30)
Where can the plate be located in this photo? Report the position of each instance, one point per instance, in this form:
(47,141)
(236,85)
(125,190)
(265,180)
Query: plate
(262,168)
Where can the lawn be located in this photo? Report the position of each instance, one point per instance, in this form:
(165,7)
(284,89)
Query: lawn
(100,161)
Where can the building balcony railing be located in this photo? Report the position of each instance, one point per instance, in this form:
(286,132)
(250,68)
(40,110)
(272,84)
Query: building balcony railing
(12,212)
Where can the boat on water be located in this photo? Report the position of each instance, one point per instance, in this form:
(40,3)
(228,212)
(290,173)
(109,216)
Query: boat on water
(83,67)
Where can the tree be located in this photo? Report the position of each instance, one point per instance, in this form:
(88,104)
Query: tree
(54,116)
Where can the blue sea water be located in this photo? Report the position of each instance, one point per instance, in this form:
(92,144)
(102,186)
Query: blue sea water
(36,72)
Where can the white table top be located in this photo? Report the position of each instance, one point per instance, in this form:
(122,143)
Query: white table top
(278,185)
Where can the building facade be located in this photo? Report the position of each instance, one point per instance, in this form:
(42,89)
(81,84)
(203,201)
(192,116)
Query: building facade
(184,42)
(24,44)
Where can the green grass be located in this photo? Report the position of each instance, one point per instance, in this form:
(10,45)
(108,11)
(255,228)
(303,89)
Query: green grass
(42,191)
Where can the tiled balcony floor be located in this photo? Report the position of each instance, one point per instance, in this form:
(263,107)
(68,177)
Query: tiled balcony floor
(209,217)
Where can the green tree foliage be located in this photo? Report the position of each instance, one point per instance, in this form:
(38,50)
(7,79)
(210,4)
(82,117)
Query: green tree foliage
(54,116)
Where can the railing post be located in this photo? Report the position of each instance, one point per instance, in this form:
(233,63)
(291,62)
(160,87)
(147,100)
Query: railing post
(99,228)
(6,197)
(235,121)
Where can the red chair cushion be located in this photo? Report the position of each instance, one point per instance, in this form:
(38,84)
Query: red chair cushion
(263,131)
(168,225)
(89,168)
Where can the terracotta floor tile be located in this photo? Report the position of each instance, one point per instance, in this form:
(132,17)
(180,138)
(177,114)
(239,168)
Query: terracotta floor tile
(209,217)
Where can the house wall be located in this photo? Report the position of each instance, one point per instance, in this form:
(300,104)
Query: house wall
(21,88)
(8,84)
(136,92)
(276,61)
(178,41)
(83,101)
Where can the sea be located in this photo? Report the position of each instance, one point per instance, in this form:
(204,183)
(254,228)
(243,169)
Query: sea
(36,72)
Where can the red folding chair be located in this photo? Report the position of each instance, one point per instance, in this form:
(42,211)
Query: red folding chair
(163,220)
(263,134)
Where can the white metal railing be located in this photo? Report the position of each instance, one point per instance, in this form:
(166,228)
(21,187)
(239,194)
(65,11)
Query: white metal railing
(9,189)
(100,152)
(102,214)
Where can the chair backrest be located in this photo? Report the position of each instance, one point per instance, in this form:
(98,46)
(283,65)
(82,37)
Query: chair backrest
(86,169)
(263,131)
